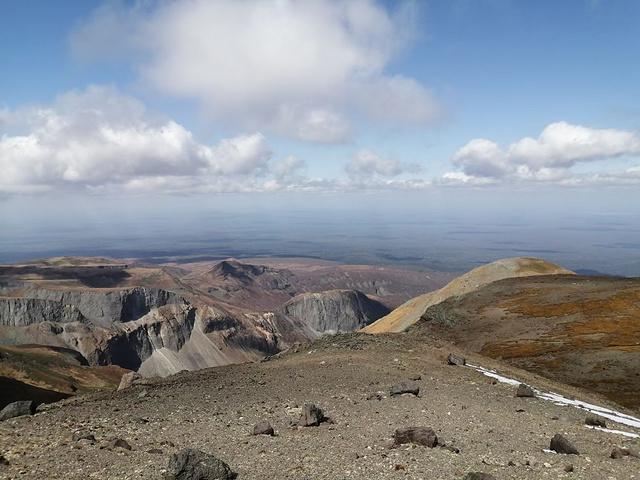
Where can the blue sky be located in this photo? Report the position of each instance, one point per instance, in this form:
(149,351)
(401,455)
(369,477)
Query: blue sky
(466,101)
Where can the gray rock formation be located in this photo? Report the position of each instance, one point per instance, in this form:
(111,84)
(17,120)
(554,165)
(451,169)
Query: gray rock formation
(335,310)
(100,308)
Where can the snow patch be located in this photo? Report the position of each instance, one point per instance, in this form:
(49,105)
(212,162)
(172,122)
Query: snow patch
(558,399)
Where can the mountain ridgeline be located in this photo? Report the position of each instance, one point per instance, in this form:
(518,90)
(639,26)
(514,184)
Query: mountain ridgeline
(160,320)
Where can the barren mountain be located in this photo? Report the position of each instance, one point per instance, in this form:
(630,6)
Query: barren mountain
(580,330)
(255,287)
(159,320)
(410,312)
(266,283)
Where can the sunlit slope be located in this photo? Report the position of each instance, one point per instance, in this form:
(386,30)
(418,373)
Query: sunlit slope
(411,311)
(579,330)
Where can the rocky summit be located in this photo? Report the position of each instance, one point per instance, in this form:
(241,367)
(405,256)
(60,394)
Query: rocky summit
(463,424)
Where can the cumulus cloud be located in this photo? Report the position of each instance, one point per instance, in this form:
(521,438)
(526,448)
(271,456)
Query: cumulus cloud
(101,137)
(298,69)
(549,158)
(365,163)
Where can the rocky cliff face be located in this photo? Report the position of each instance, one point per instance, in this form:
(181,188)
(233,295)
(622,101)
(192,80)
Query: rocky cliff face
(21,312)
(335,310)
(103,307)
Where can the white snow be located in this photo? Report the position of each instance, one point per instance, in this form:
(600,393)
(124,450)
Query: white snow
(558,399)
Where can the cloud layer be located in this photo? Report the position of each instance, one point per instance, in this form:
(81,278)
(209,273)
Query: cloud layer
(297,69)
(100,137)
(549,158)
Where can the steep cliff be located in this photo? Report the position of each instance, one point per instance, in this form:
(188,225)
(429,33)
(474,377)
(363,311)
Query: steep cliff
(335,310)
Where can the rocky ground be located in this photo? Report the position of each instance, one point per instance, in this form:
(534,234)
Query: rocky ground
(349,376)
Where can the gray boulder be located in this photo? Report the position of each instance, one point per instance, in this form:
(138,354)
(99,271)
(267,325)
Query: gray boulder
(192,464)
(419,435)
(560,444)
(17,409)
(525,391)
(405,387)
(263,428)
(312,416)
(595,421)
(456,360)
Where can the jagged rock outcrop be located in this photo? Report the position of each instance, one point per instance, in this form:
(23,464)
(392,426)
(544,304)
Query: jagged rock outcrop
(103,307)
(335,310)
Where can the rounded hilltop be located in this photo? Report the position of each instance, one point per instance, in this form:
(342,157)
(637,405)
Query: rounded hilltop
(410,312)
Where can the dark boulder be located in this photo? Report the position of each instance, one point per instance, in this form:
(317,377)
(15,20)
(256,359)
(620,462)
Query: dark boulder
(405,387)
(419,435)
(561,445)
(17,409)
(191,464)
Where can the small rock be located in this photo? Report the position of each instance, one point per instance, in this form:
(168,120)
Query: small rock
(83,436)
(119,443)
(155,451)
(418,435)
(3,461)
(561,445)
(405,387)
(415,377)
(17,409)
(568,468)
(456,360)
(127,380)
(312,416)
(618,452)
(525,391)
(263,428)
(191,464)
(595,421)
(451,448)
(479,476)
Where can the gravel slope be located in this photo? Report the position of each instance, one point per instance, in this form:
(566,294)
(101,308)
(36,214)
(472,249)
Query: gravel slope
(214,410)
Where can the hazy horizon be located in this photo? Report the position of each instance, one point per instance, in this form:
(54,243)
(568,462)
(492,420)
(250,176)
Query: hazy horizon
(415,231)
(429,134)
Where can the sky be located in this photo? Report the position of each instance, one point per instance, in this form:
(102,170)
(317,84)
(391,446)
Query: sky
(528,107)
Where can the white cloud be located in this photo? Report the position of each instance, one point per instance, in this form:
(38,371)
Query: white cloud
(295,68)
(365,163)
(549,158)
(101,137)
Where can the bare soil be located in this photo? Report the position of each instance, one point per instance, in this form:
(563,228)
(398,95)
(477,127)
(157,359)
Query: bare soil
(215,410)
